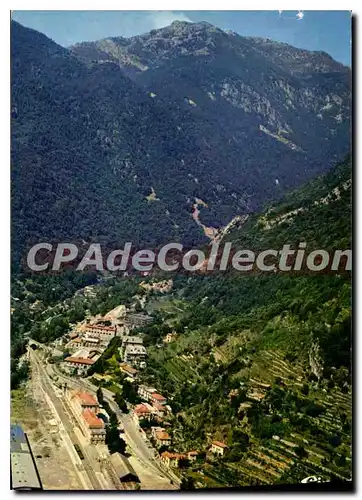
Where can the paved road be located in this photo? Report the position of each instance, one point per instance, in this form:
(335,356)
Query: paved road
(134,438)
(46,384)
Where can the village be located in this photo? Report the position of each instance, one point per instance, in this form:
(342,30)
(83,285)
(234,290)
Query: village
(125,427)
(151,412)
(87,345)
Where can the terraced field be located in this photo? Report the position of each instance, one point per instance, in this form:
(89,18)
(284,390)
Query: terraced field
(182,370)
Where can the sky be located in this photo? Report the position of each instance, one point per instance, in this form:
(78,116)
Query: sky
(329,31)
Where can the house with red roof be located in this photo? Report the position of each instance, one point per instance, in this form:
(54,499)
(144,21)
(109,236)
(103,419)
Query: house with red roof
(218,448)
(77,364)
(172,459)
(143,411)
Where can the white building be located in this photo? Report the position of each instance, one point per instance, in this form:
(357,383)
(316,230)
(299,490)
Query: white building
(135,354)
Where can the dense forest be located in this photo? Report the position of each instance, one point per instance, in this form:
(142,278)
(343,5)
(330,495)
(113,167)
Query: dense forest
(230,120)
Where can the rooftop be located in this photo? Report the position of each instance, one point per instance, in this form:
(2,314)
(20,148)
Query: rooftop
(158,397)
(102,327)
(79,361)
(18,441)
(123,467)
(91,339)
(23,469)
(132,340)
(143,408)
(172,455)
(158,406)
(87,399)
(127,368)
(147,389)
(92,420)
(219,444)
(162,436)
(135,349)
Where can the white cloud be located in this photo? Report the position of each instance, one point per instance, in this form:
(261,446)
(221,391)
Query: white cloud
(160,19)
(299,16)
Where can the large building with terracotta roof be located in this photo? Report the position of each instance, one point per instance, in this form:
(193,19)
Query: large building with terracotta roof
(104,333)
(76,364)
(81,401)
(93,427)
(85,408)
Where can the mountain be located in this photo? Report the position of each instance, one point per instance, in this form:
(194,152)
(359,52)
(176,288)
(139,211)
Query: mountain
(125,139)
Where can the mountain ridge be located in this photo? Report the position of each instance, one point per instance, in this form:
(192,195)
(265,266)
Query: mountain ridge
(91,141)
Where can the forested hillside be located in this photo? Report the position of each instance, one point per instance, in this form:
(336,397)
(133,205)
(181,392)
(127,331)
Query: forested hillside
(113,141)
(257,357)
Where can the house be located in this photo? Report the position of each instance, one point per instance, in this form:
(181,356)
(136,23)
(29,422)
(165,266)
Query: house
(218,448)
(171,459)
(150,394)
(158,398)
(131,340)
(160,410)
(192,455)
(79,365)
(145,392)
(170,337)
(123,469)
(162,438)
(143,411)
(135,354)
(128,370)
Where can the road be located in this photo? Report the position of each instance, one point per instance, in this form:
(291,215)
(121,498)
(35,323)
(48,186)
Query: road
(143,450)
(40,373)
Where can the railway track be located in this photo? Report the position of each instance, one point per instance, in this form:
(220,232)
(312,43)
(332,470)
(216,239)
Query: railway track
(65,419)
